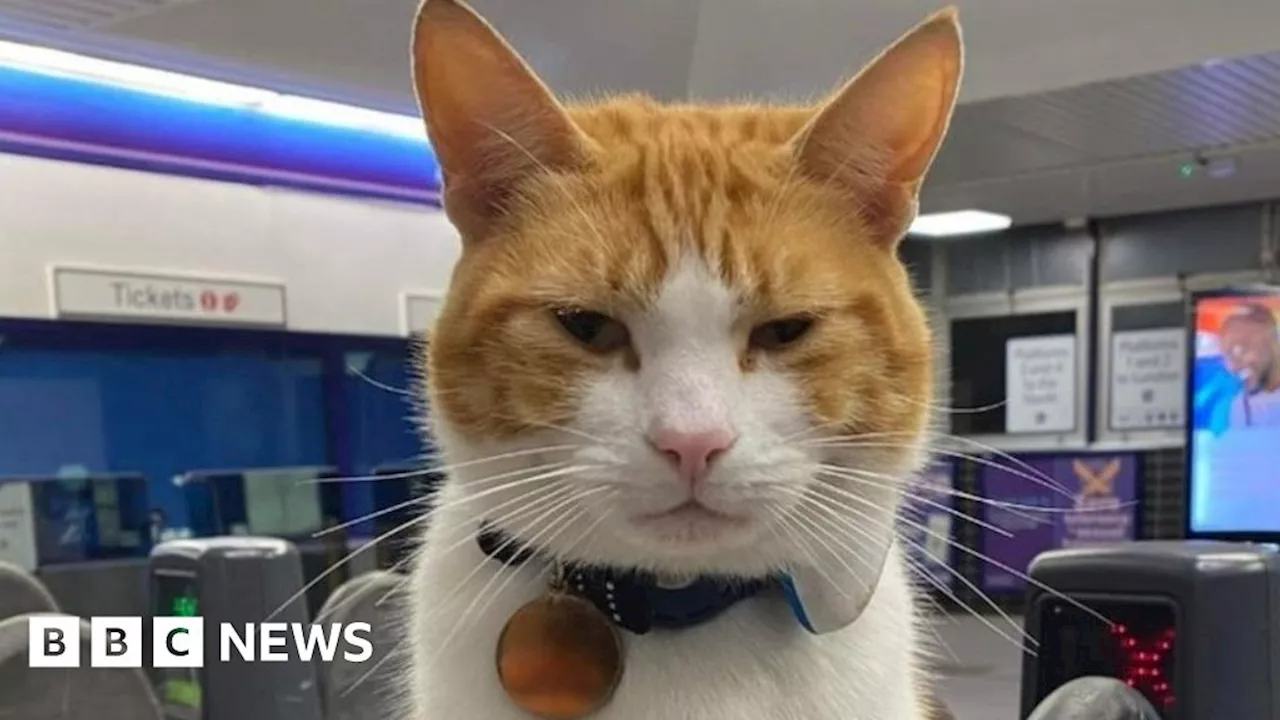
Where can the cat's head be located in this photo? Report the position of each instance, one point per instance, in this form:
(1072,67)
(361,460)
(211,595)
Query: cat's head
(697,310)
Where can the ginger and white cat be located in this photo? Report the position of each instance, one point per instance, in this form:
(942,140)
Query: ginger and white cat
(679,340)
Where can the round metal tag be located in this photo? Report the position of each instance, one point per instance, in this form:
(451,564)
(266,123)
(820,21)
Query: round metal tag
(559,658)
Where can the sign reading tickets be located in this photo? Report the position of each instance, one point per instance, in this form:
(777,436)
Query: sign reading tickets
(1148,379)
(1040,384)
(1087,500)
(17,525)
(91,293)
(420,312)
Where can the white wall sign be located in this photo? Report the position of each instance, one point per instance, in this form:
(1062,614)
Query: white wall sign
(17,525)
(1148,378)
(1040,384)
(420,311)
(92,293)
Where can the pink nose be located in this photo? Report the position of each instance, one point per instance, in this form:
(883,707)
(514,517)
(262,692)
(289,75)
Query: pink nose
(693,452)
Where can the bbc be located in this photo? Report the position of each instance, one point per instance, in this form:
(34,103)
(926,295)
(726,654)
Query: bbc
(53,641)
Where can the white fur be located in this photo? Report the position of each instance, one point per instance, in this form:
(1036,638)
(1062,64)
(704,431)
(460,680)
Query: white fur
(753,662)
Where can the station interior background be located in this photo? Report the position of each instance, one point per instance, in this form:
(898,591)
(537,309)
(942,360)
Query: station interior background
(1135,146)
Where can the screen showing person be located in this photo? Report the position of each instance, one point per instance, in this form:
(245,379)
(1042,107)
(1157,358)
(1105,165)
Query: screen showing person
(1235,481)
(1252,351)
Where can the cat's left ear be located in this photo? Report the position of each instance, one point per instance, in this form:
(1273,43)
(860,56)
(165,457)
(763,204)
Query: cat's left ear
(493,124)
(876,138)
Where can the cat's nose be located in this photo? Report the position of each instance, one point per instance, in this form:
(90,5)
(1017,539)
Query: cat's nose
(693,452)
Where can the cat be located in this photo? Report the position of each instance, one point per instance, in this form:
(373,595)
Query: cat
(678,342)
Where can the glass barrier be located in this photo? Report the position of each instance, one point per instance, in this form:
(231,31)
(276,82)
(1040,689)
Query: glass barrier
(96,401)
(293,503)
(287,502)
(57,520)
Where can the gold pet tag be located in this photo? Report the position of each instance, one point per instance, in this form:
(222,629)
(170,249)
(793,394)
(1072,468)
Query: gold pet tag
(559,657)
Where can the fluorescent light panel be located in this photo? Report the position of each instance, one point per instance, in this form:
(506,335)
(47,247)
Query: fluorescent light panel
(960,222)
(48,61)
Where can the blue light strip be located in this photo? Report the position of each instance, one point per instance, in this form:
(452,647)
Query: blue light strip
(82,120)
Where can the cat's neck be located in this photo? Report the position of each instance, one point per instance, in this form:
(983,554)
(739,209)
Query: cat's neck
(869,671)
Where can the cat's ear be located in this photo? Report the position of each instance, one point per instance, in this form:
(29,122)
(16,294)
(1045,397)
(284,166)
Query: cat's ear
(491,121)
(877,136)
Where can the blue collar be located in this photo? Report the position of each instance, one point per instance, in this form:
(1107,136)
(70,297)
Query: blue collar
(637,602)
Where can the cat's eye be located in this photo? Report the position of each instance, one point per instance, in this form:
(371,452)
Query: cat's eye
(596,331)
(778,334)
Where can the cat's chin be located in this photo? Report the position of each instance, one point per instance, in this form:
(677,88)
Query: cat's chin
(691,525)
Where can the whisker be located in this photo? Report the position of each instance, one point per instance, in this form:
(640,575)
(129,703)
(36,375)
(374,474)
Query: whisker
(809,495)
(814,523)
(509,571)
(838,472)
(1049,484)
(797,536)
(425,500)
(950,409)
(928,608)
(809,431)
(446,468)
(561,428)
(1021,510)
(550,475)
(400,528)
(1021,640)
(933,437)
(974,553)
(530,506)
(380,385)
(1018,462)
(552,499)
(340,563)
(329,611)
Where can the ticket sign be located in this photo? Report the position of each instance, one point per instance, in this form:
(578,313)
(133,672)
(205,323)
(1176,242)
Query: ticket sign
(89,293)
(420,311)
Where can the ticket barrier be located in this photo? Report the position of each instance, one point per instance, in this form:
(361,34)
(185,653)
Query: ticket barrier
(234,580)
(239,581)
(81,693)
(21,593)
(356,691)
(1095,698)
(1191,632)
(1154,630)
(286,502)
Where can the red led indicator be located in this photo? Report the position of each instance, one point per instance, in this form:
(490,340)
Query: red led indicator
(1141,661)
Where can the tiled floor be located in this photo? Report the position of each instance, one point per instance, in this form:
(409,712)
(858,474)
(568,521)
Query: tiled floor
(980,669)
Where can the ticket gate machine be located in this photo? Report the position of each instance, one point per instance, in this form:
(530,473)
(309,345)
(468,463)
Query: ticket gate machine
(234,580)
(1193,626)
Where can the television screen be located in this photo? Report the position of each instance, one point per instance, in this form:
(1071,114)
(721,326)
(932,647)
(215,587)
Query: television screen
(1234,442)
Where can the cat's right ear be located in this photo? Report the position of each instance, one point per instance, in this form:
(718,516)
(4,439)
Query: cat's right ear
(492,123)
(876,138)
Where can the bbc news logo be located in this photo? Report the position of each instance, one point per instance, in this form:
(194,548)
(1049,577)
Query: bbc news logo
(179,642)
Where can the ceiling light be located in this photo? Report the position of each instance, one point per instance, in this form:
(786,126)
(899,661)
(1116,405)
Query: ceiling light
(960,222)
(159,82)
(48,61)
(331,113)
